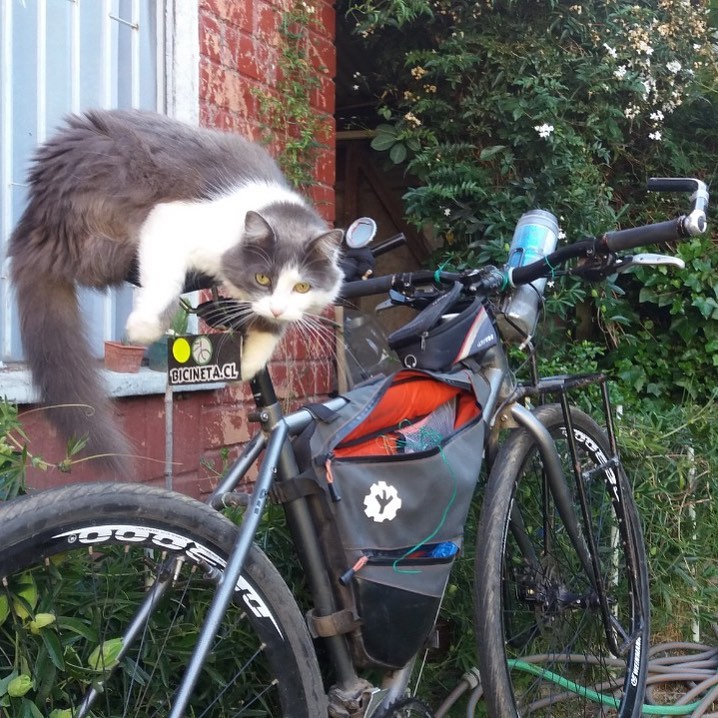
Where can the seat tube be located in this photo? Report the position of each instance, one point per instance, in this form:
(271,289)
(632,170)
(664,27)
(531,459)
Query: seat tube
(303,530)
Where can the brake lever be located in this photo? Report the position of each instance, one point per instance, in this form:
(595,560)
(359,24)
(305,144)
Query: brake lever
(649,260)
(415,300)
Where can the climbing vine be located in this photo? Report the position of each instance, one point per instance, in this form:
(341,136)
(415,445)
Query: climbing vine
(288,118)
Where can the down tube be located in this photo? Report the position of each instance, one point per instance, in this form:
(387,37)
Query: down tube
(232,572)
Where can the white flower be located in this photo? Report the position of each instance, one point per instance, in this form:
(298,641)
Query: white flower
(610,50)
(674,66)
(412,119)
(544,130)
(656,116)
(561,234)
(655,136)
(447,212)
(632,111)
(355,87)
(620,72)
(649,85)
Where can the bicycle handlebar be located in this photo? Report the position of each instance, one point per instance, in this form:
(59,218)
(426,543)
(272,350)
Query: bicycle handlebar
(493,280)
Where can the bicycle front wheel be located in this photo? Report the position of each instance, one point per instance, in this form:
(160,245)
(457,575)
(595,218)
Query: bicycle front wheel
(545,645)
(76,566)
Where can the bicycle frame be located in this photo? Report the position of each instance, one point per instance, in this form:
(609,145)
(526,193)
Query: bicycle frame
(279,464)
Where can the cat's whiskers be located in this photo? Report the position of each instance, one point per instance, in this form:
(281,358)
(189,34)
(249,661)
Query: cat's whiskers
(231,312)
(317,333)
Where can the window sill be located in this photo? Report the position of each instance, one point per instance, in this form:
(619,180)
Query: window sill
(16,384)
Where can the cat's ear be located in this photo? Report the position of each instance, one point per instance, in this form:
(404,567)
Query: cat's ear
(328,241)
(256,228)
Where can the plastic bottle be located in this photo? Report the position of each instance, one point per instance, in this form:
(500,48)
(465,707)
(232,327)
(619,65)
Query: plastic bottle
(535,236)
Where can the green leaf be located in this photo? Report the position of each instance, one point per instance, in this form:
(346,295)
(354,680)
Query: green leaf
(383,142)
(20,685)
(105,655)
(397,154)
(488,152)
(5,682)
(4,607)
(54,648)
(77,626)
(29,710)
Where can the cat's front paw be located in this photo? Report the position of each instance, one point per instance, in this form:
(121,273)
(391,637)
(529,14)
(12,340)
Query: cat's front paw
(144,329)
(256,352)
(250,366)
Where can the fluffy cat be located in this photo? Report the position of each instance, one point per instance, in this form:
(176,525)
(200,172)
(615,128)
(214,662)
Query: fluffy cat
(113,190)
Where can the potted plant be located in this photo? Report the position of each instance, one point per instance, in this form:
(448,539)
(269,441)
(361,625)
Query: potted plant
(121,356)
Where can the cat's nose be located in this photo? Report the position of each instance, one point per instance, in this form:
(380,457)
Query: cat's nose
(277,311)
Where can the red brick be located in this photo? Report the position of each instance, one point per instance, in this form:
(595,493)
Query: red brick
(324,56)
(235,12)
(230,47)
(186,440)
(323,200)
(223,425)
(325,378)
(247,61)
(267,23)
(323,97)
(210,39)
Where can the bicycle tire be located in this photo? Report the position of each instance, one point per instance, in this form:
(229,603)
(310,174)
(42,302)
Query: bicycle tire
(536,605)
(86,555)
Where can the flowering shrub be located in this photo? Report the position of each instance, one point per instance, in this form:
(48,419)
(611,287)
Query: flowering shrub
(500,106)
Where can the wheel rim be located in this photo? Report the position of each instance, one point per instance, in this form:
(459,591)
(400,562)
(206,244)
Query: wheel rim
(68,610)
(551,616)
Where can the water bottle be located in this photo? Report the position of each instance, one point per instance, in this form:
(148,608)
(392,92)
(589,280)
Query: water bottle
(535,236)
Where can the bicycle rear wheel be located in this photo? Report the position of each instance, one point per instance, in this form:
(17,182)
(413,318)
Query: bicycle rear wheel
(75,566)
(543,647)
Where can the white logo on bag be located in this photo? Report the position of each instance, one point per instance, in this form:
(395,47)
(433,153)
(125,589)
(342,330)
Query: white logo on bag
(382,502)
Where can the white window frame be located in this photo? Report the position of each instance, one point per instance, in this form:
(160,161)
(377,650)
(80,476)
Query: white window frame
(177,92)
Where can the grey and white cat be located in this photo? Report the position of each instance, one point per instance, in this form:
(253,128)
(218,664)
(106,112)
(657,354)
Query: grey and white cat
(115,188)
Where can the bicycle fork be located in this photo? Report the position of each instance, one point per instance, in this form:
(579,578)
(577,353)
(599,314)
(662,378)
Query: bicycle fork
(583,542)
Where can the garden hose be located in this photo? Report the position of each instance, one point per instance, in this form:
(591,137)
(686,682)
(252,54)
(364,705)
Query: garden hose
(693,666)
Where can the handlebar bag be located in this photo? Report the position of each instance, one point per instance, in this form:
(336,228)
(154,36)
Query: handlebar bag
(396,469)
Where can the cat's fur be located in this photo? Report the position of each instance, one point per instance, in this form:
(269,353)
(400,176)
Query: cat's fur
(114,187)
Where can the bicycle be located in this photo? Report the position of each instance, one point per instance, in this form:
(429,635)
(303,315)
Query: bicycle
(201,621)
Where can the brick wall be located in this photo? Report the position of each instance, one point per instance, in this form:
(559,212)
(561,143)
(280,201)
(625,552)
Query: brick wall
(238,45)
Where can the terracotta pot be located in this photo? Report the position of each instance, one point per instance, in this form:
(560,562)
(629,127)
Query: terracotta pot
(125,358)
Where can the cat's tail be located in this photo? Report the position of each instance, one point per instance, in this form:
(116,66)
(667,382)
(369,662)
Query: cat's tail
(63,368)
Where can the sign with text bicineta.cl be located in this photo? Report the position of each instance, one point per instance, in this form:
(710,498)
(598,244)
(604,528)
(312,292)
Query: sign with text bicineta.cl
(204,358)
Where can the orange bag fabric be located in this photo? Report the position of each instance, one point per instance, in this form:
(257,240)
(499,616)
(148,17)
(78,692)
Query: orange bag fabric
(412,397)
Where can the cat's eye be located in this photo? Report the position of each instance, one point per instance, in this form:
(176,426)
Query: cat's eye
(302,287)
(262,279)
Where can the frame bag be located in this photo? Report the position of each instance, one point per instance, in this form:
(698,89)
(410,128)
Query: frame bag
(393,473)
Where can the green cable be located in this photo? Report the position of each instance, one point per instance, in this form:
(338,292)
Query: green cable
(436,438)
(438,271)
(594,695)
(552,268)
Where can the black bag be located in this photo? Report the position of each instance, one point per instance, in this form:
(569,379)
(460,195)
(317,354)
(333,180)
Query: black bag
(396,467)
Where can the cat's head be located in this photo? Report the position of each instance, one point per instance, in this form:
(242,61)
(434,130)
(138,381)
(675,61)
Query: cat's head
(285,264)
